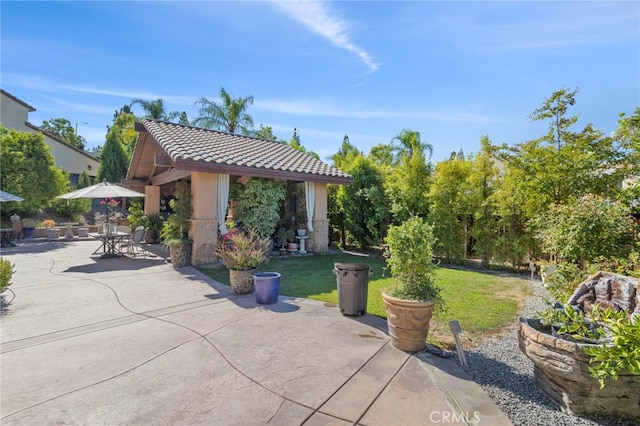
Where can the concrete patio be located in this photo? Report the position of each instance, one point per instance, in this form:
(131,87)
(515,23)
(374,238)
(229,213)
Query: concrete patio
(134,341)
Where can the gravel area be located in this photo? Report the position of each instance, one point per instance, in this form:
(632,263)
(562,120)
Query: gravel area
(503,371)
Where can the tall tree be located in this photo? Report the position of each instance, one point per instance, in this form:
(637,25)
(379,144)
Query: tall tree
(297,144)
(266,133)
(345,158)
(156,110)
(62,128)
(628,134)
(364,205)
(381,154)
(483,182)
(123,129)
(407,186)
(229,115)
(28,169)
(84,180)
(564,164)
(450,208)
(113,160)
(409,142)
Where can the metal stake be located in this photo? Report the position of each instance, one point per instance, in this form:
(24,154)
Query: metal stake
(454,325)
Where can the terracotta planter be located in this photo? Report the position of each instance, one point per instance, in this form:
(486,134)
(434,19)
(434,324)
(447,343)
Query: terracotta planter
(561,370)
(241,281)
(408,322)
(180,255)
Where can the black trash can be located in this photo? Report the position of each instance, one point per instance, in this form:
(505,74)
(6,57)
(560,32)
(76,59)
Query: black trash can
(353,286)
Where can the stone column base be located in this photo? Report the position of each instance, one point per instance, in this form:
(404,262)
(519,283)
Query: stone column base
(204,233)
(319,238)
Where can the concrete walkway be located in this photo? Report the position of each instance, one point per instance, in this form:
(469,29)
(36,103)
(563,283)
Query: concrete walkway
(90,341)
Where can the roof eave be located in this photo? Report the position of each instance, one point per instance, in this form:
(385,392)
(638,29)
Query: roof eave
(196,166)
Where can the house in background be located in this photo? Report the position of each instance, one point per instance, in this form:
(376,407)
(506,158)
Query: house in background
(14,114)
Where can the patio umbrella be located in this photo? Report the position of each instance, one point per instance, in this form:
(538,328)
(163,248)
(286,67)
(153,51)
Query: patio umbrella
(6,196)
(102,190)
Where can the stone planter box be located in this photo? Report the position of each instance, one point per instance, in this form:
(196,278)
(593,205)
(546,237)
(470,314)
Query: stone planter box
(53,233)
(561,370)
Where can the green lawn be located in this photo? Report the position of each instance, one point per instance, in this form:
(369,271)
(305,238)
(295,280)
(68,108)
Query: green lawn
(482,302)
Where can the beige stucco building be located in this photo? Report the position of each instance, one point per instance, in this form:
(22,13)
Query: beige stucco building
(14,114)
(210,160)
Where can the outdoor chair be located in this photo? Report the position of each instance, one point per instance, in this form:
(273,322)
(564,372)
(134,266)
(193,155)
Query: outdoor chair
(137,244)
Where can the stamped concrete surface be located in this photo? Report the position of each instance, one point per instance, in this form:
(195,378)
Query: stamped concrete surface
(120,341)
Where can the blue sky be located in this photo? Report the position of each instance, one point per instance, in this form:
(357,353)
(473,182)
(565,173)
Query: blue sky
(454,71)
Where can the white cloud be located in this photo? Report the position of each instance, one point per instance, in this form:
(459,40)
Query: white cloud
(317,107)
(47,86)
(321,19)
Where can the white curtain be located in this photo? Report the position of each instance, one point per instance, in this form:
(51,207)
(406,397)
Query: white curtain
(222,202)
(310,195)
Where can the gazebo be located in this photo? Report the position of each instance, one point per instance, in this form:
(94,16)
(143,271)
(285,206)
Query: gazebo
(167,152)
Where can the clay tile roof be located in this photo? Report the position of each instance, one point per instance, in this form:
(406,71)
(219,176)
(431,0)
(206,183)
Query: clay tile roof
(185,144)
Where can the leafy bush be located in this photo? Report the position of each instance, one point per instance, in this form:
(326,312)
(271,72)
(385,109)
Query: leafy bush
(567,276)
(71,208)
(259,203)
(617,335)
(6,272)
(365,205)
(564,280)
(585,229)
(31,223)
(176,230)
(622,355)
(409,254)
(136,216)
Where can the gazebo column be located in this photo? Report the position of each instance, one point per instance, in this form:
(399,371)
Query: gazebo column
(319,238)
(151,199)
(204,226)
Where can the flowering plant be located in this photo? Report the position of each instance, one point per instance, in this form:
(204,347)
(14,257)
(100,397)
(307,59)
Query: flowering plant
(242,251)
(111,204)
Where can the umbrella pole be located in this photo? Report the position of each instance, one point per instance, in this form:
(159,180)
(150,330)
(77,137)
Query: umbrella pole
(106,210)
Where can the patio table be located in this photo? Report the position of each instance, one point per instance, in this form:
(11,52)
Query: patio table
(110,243)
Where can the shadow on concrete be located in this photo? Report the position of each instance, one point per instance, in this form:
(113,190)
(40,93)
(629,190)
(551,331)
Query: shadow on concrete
(34,246)
(5,300)
(115,264)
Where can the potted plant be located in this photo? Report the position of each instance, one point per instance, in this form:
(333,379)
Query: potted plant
(154,224)
(301,221)
(411,302)
(175,232)
(284,236)
(52,233)
(241,253)
(578,348)
(28,225)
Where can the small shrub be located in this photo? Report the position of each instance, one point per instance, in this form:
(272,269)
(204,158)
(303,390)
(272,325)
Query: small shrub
(48,223)
(563,282)
(409,256)
(242,251)
(31,223)
(617,335)
(6,273)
